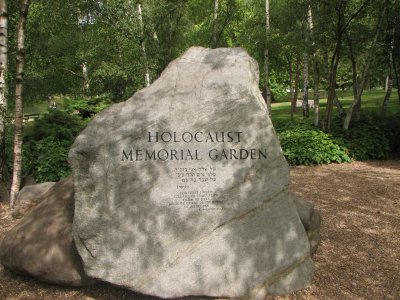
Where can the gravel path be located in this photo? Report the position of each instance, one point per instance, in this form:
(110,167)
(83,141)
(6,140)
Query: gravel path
(359,255)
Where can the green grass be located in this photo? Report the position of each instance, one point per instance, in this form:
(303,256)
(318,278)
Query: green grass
(36,108)
(371,102)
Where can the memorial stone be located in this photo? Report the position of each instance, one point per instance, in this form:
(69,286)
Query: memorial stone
(183,189)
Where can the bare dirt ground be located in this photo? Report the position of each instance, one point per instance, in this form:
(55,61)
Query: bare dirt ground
(359,254)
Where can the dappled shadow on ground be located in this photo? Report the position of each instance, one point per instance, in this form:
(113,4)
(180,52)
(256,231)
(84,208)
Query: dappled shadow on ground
(360,203)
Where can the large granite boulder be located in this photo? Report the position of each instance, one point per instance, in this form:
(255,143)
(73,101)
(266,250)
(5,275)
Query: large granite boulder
(41,245)
(183,189)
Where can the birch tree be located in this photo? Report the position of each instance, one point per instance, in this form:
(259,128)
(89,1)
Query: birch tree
(396,46)
(215,31)
(143,46)
(310,23)
(291,87)
(18,118)
(305,106)
(342,23)
(389,81)
(3,99)
(368,62)
(266,57)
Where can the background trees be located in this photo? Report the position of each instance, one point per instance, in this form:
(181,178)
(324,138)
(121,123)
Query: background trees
(86,54)
(111,46)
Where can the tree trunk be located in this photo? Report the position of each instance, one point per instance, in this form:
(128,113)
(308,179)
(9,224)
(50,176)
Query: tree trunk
(396,76)
(306,111)
(389,82)
(143,47)
(316,92)
(3,100)
(266,58)
(341,28)
(215,33)
(336,100)
(296,82)
(353,66)
(357,100)
(332,84)
(291,88)
(17,165)
(338,105)
(315,65)
(85,76)
(396,50)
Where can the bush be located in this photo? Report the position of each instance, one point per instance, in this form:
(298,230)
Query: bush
(364,141)
(87,107)
(46,145)
(304,145)
(391,126)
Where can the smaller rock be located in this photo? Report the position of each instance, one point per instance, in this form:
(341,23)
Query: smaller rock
(41,245)
(29,197)
(311,220)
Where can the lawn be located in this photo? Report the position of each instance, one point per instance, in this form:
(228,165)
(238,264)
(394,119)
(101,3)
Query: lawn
(371,101)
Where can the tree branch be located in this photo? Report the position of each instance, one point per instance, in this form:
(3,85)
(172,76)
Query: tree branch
(353,16)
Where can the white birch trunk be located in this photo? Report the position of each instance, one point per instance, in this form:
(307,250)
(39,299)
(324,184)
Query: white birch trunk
(357,100)
(315,65)
(305,87)
(3,100)
(85,76)
(143,46)
(215,33)
(17,165)
(266,58)
(389,83)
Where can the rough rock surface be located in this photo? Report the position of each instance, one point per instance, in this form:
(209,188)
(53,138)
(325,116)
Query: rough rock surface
(29,196)
(41,245)
(311,220)
(216,222)
(33,192)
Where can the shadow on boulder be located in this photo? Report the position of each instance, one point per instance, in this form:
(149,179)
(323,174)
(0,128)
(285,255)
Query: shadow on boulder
(41,245)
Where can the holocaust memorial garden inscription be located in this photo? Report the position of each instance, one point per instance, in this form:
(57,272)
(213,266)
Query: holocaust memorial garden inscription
(183,189)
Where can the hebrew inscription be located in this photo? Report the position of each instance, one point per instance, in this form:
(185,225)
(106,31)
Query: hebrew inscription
(193,188)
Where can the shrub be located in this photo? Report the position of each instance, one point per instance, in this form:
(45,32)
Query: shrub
(366,139)
(46,145)
(303,145)
(87,107)
(391,126)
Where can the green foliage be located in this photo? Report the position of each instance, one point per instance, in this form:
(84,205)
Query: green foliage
(367,139)
(372,137)
(47,160)
(110,77)
(391,125)
(278,87)
(304,145)
(86,107)
(46,145)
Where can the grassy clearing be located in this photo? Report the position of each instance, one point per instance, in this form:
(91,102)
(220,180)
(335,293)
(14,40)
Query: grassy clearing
(371,102)
(36,108)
